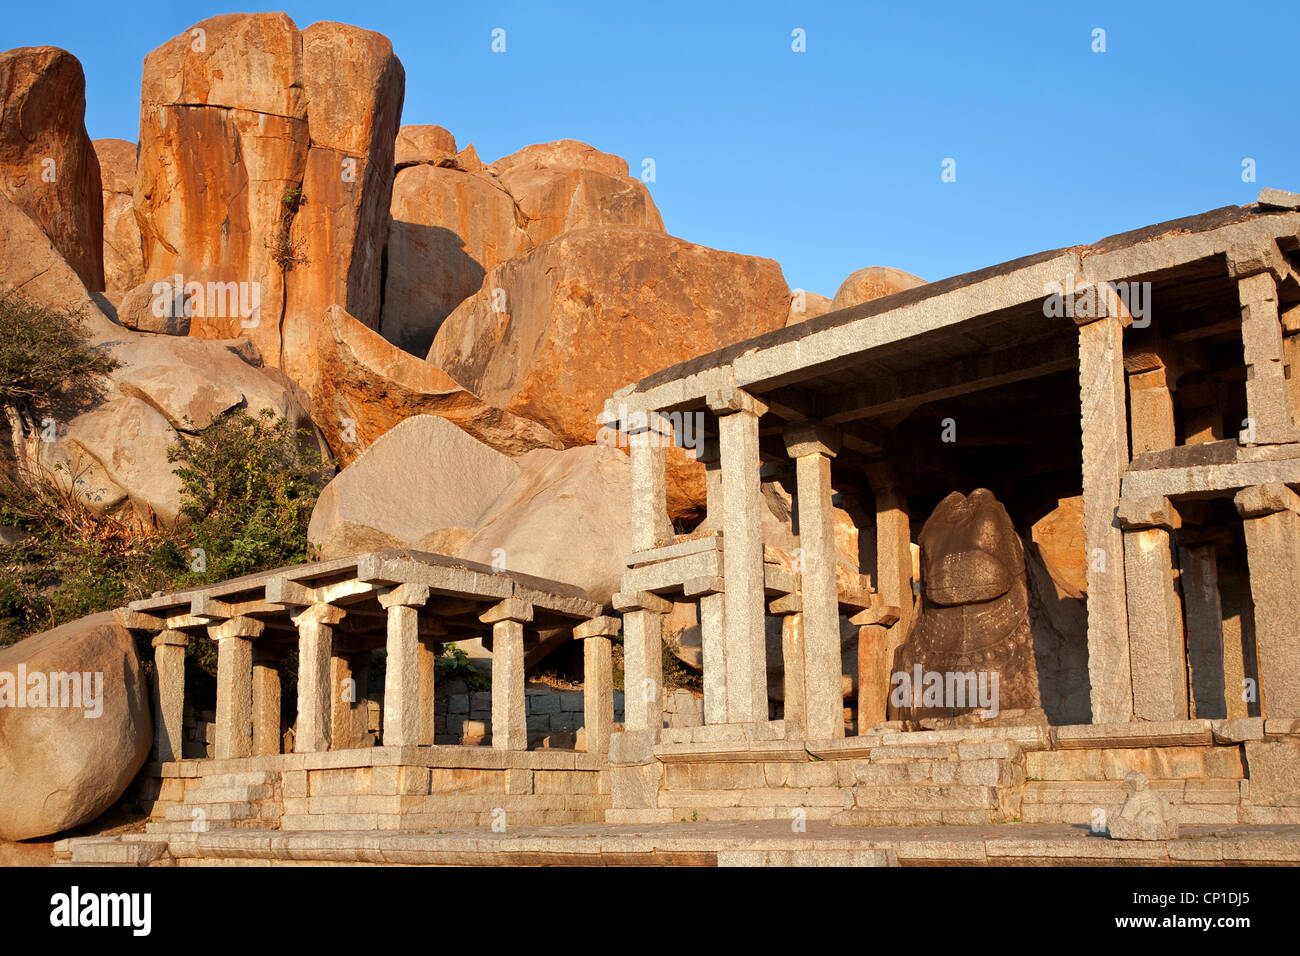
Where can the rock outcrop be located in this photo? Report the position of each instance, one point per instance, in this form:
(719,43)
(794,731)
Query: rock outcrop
(82,732)
(123,250)
(565,518)
(47,164)
(455,219)
(111,447)
(873,282)
(583,315)
(422,144)
(806,305)
(289,193)
(363,386)
(558,514)
(424,485)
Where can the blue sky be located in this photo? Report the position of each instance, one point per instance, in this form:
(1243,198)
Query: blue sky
(827,160)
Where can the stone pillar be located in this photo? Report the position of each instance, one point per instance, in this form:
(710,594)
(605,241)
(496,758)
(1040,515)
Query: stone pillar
(746,651)
(426,664)
(713,647)
(266,703)
(646,445)
(349,704)
(893,584)
(1207,654)
(1105,457)
(789,608)
(169,694)
(1155,621)
(509,717)
(597,681)
(1151,411)
(1267,403)
(643,614)
(712,604)
(1271,519)
(235,685)
(812,446)
(402,676)
(315,691)
(874,663)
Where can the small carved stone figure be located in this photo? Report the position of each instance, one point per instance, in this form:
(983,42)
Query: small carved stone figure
(1145,815)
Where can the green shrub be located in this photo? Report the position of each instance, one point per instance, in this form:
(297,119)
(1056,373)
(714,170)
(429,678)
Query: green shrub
(45,354)
(249,485)
(454,664)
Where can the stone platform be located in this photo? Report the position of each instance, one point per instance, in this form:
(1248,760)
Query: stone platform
(756,843)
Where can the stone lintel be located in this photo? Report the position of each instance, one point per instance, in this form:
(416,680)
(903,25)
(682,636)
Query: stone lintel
(603,626)
(139,620)
(1135,514)
(404,595)
(284,591)
(729,400)
(812,438)
(697,587)
(511,609)
(245,627)
(170,638)
(625,601)
(1095,300)
(884,615)
(654,424)
(206,606)
(1259,500)
(318,614)
(1278,199)
(1253,262)
(786,604)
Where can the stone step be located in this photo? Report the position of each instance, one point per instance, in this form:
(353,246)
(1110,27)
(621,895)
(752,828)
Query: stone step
(927,796)
(240,778)
(216,811)
(914,816)
(113,851)
(246,793)
(177,827)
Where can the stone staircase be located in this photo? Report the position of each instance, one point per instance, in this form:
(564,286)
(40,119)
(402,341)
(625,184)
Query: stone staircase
(952,782)
(246,800)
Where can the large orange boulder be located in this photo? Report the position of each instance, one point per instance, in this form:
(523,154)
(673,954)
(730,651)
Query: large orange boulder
(266,159)
(123,251)
(47,164)
(585,314)
(364,386)
(455,219)
(873,282)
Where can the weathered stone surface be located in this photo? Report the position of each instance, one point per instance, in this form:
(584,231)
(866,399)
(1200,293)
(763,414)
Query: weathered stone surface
(422,144)
(60,767)
(47,164)
(873,282)
(565,519)
(363,386)
(806,305)
(1146,815)
(155,307)
(123,252)
(454,220)
(423,476)
(1274,770)
(616,304)
(1058,536)
(291,189)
